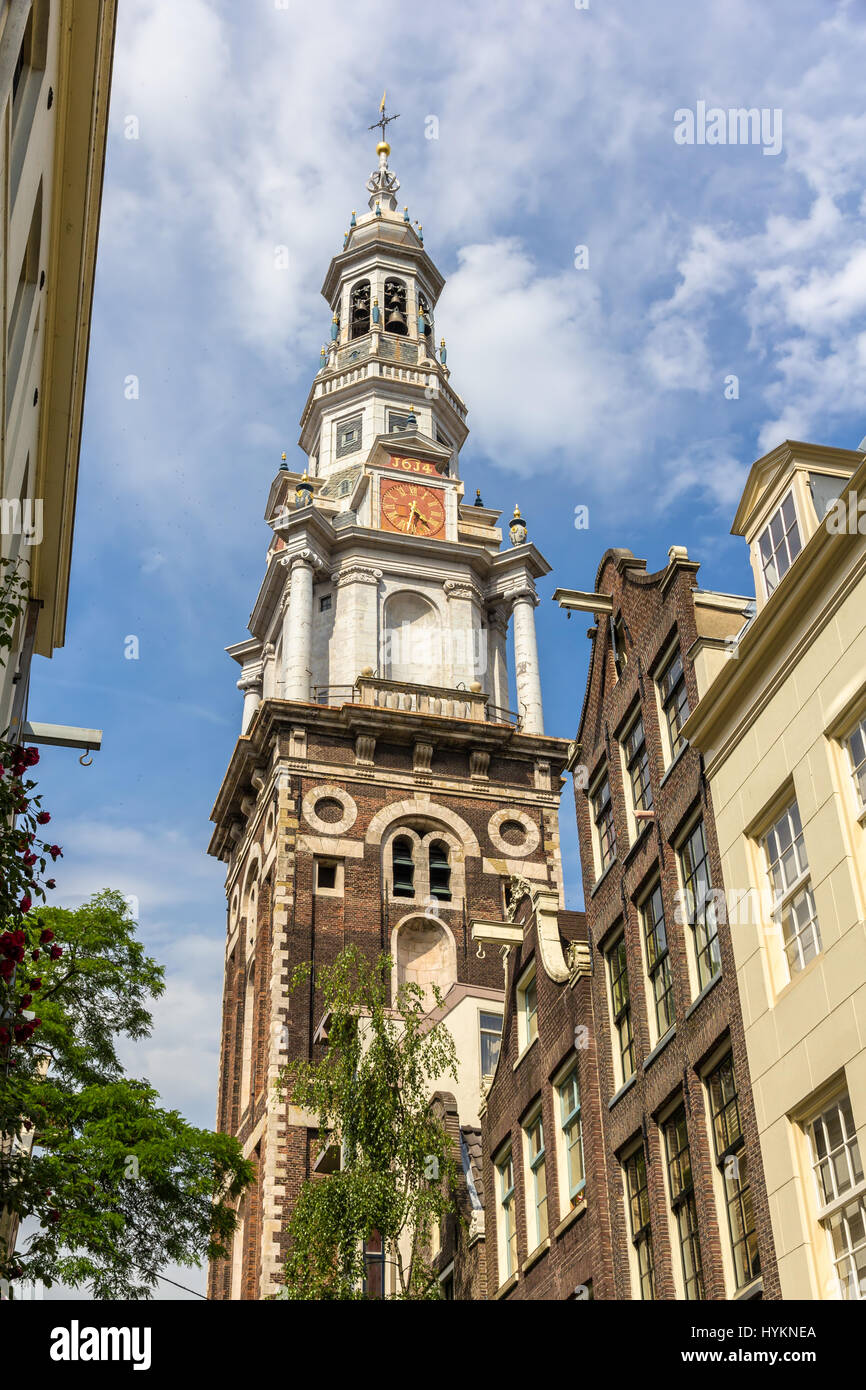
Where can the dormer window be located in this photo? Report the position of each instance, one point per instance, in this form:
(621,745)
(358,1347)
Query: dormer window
(779,544)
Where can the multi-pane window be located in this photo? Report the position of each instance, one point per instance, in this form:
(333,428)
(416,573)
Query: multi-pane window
(572,1136)
(838,1171)
(537,1194)
(779,543)
(733,1165)
(794,905)
(857,753)
(637,763)
(658,960)
(682,1190)
(602,814)
(639,1217)
(700,901)
(507,1216)
(675,700)
(617,964)
(491,1038)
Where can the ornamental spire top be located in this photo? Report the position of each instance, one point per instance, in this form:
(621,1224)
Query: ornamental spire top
(383,184)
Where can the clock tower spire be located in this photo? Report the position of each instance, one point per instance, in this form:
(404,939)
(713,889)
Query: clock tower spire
(386,786)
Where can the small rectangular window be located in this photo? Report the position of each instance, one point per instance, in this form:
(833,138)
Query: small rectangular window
(779,543)
(794,905)
(527,1009)
(349,436)
(324,603)
(328,876)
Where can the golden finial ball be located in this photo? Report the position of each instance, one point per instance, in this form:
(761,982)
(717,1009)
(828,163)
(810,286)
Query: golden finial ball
(383,148)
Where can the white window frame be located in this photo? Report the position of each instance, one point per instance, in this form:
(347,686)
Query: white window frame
(844,1199)
(568,1199)
(324,860)
(527,1022)
(781,546)
(491,1013)
(645,1237)
(787,889)
(506,1215)
(643,906)
(537,1208)
(695,952)
(616,1041)
(858,730)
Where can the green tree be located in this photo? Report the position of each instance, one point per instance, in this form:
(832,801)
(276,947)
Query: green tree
(371,1092)
(119,1186)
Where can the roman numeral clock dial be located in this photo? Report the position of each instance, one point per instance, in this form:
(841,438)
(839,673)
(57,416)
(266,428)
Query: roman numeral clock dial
(412,509)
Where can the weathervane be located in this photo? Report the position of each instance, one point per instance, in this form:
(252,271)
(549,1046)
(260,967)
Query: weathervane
(383,119)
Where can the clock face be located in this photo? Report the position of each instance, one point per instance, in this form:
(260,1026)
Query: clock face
(412,509)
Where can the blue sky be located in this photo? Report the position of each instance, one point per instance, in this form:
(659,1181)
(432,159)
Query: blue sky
(602,386)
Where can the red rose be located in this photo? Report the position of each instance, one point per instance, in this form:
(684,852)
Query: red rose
(45,936)
(31,757)
(27,1001)
(54,1215)
(29,858)
(56,952)
(55,851)
(26,903)
(36,983)
(34,955)
(7,969)
(50,883)
(4,1037)
(43,818)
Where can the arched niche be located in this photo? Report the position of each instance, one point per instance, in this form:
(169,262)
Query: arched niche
(425,954)
(411,639)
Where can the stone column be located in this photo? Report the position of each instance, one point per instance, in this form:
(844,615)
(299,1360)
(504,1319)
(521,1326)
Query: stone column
(497,656)
(356,623)
(526,660)
(250,684)
(298,628)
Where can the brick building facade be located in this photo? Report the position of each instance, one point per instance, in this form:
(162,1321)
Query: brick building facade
(688,1207)
(547,1217)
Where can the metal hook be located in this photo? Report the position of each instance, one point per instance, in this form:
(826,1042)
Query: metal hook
(480,954)
(86,758)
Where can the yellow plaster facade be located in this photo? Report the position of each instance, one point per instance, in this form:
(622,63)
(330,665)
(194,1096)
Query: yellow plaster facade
(777,719)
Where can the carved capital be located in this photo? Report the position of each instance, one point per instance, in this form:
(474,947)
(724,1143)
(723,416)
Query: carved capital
(356,574)
(422,757)
(523,592)
(479,764)
(497,620)
(463,589)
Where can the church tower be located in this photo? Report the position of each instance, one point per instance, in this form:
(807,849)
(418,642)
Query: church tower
(382,792)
